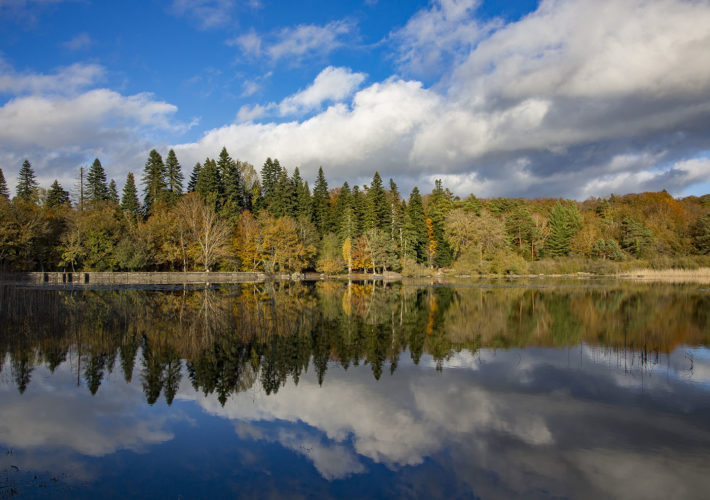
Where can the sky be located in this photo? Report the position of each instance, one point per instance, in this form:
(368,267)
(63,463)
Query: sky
(570,98)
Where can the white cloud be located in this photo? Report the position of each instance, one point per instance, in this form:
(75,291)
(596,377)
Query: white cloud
(294,43)
(79,42)
(542,106)
(331,84)
(208,13)
(58,122)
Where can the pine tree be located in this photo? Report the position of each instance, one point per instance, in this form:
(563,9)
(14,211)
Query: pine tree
(233,189)
(209,183)
(377,215)
(301,196)
(396,214)
(193,177)
(344,215)
(113,192)
(153,181)
(415,228)
(173,177)
(129,201)
(96,188)
(565,221)
(270,172)
(359,206)
(3,187)
(321,204)
(26,183)
(56,196)
(440,204)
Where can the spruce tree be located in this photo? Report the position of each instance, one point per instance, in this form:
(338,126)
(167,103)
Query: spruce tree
(113,192)
(233,190)
(129,200)
(209,183)
(439,205)
(344,216)
(154,185)
(396,214)
(3,187)
(56,196)
(96,188)
(26,183)
(377,215)
(270,172)
(321,204)
(173,177)
(301,196)
(359,206)
(193,177)
(565,221)
(415,228)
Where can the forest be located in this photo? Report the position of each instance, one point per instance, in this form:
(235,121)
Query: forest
(227,216)
(229,339)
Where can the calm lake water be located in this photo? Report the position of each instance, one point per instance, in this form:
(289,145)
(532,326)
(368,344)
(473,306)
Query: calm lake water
(569,389)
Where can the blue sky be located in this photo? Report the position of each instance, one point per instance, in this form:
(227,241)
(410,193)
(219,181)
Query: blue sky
(571,98)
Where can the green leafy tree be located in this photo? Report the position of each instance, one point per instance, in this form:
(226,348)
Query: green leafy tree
(193,177)
(129,200)
(565,221)
(153,181)
(173,177)
(96,188)
(321,204)
(56,196)
(3,187)
(27,183)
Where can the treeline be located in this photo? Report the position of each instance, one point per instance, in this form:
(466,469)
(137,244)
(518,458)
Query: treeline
(229,217)
(230,339)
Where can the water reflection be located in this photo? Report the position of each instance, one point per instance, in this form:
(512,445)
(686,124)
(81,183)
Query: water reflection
(561,391)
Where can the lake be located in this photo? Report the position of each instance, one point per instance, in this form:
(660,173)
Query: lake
(539,389)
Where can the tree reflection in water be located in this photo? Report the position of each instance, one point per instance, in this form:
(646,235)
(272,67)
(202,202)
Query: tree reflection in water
(231,337)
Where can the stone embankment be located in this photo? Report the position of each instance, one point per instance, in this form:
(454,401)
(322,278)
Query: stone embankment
(118,278)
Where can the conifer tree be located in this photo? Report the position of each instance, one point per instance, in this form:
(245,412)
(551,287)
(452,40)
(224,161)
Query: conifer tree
(301,196)
(359,205)
(344,215)
(439,205)
(396,213)
(565,221)
(129,200)
(377,215)
(209,183)
(56,196)
(3,187)
(193,177)
(26,183)
(113,192)
(321,204)
(415,228)
(96,188)
(173,177)
(270,173)
(233,190)
(154,186)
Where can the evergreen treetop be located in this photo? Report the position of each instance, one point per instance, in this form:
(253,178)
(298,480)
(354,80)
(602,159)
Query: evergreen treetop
(96,188)
(56,196)
(129,200)
(173,176)
(154,184)
(113,192)
(3,187)
(27,182)
(193,177)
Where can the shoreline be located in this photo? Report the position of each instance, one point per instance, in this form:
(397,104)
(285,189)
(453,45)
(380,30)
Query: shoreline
(701,275)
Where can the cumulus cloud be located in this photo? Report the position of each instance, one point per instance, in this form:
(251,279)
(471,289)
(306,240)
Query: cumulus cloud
(332,84)
(543,106)
(59,121)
